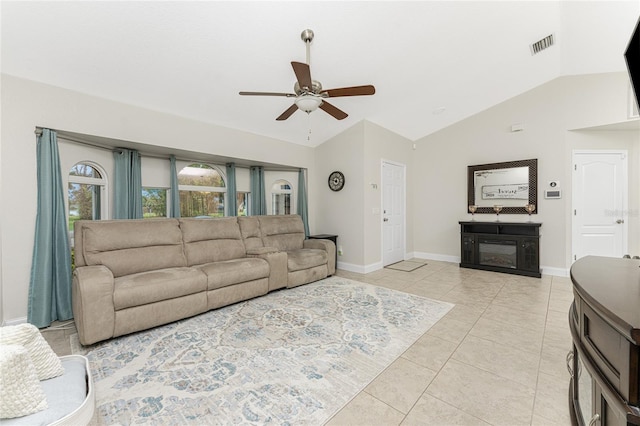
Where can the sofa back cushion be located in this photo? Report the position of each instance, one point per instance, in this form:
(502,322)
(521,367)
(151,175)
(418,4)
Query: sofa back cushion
(284,232)
(250,230)
(131,246)
(211,240)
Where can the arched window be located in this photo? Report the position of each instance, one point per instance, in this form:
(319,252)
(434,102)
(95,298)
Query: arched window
(86,199)
(281,197)
(202,191)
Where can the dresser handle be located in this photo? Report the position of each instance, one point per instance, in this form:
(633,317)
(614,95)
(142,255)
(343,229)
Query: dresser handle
(594,419)
(569,362)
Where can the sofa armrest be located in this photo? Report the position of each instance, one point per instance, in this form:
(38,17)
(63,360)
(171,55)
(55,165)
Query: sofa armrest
(92,299)
(278,270)
(329,247)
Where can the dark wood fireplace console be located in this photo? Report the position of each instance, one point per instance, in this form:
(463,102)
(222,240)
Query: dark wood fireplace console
(511,247)
(604,320)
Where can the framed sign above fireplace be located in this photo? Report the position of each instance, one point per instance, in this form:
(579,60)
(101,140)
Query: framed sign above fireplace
(512,185)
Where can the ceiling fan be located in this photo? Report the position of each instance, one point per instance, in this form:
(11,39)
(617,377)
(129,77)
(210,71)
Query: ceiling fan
(309,94)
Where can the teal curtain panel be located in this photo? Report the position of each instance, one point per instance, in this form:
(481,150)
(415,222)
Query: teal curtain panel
(232,200)
(174,195)
(258,196)
(303,209)
(50,283)
(127,184)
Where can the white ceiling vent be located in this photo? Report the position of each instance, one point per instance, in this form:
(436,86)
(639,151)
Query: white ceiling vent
(542,44)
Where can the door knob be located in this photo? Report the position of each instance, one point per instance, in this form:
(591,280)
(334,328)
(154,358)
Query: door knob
(386,219)
(620,221)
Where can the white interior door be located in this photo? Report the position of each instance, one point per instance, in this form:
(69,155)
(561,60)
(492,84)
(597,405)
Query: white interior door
(599,203)
(393,213)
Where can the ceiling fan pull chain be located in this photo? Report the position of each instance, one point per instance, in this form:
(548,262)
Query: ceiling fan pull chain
(309,135)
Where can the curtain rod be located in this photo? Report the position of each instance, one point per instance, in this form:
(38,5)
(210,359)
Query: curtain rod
(38,132)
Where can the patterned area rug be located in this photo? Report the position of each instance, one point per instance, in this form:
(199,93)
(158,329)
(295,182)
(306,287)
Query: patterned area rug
(407,265)
(295,356)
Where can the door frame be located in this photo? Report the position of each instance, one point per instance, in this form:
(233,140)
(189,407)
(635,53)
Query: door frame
(625,200)
(404,208)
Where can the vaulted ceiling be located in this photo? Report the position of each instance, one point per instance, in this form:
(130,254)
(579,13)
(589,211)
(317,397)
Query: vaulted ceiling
(432,62)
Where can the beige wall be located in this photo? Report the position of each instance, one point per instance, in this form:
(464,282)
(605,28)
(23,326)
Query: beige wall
(27,104)
(341,212)
(548,113)
(354,213)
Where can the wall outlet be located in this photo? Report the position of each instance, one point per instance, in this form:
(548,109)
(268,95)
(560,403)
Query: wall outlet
(339,250)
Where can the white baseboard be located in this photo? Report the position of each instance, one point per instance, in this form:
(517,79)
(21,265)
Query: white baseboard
(359,269)
(558,272)
(373,267)
(409,256)
(365,269)
(438,257)
(15,321)
(350,267)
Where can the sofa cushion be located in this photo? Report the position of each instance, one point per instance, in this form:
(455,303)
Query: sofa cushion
(230,272)
(250,230)
(211,240)
(306,258)
(154,286)
(132,246)
(284,232)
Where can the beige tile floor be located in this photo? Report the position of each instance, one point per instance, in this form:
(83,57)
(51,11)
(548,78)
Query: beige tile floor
(497,358)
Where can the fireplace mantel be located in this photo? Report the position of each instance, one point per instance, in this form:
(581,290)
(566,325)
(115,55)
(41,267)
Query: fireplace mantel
(510,247)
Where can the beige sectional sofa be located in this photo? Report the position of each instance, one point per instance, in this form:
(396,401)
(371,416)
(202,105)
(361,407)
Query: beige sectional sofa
(132,275)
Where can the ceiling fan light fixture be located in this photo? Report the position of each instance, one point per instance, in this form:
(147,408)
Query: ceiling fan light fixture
(309,94)
(308,103)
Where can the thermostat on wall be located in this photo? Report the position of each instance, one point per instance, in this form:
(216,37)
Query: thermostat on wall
(552,193)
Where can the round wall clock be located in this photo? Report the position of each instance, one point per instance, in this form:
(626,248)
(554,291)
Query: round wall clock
(336,181)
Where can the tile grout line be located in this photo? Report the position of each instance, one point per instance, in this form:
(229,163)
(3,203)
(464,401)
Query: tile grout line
(449,358)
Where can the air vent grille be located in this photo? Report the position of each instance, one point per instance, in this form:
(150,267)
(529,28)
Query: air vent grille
(541,45)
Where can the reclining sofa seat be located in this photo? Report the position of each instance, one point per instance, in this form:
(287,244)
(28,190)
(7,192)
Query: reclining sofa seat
(132,275)
(307,260)
(215,247)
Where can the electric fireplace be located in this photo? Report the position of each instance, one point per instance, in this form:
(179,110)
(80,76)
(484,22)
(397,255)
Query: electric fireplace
(511,247)
(502,253)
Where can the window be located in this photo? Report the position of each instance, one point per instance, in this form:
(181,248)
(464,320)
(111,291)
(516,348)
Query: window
(202,191)
(281,197)
(86,186)
(242,201)
(154,203)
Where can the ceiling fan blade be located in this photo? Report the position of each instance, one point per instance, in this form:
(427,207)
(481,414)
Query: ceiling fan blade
(288,95)
(303,74)
(350,91)
(331,110)
(287,113)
